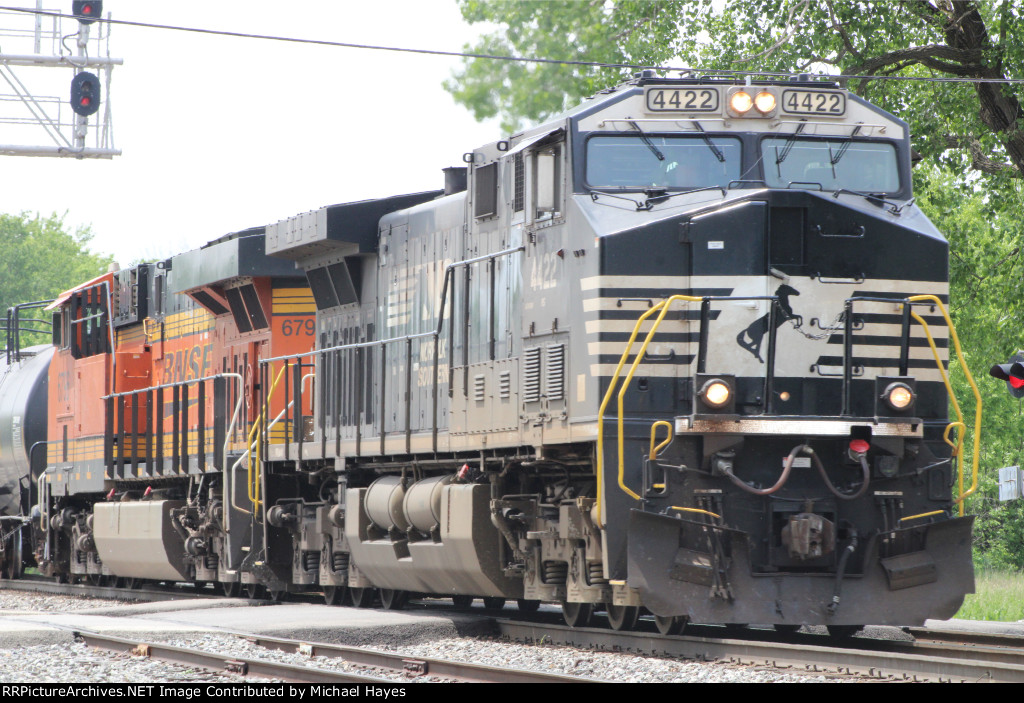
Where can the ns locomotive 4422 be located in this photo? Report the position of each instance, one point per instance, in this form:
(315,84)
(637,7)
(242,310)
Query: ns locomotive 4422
(682,349)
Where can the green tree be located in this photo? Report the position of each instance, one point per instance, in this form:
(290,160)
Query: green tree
(912,39)
(39,259)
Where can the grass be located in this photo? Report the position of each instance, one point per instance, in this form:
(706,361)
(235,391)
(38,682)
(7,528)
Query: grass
(999,596)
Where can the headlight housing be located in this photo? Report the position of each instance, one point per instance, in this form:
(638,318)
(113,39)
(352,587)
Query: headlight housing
(740,103)
(715,393)
(895,395)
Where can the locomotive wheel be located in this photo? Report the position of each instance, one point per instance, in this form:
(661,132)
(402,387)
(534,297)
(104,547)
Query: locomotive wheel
(231,588)
(462,602)
(494,603)
(393,599)
(671,625)
(277,595)
(528,606)
(254,591)
(335,595)
(842,632)
(363,597)
(133,583)
(622,617)
(577,614)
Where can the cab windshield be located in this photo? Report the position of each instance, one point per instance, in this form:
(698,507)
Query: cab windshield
(868,167)
(644,161)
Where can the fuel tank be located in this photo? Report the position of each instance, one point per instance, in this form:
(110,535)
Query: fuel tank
(23,400)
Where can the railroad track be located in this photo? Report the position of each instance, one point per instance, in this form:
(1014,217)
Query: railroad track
(931,656)
(882,660)
(411,668)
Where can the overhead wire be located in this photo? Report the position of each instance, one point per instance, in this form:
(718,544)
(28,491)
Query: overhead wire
(708,72)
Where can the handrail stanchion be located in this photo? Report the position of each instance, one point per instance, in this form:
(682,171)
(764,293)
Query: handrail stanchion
(149,432)
(160,468)
(135,434)
(201,429)
(847,357)
(768,405)
(383,392)
(408,395)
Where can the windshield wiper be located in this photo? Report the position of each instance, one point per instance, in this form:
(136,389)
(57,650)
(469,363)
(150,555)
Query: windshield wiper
(646,140)
(789,144)
(707,140)
(842,149)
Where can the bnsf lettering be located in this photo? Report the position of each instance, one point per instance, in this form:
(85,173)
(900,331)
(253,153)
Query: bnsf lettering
(187,364)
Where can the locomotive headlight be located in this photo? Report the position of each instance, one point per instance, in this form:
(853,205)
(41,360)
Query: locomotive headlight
(716,393)
(764,102)
(898,396)
(741,102)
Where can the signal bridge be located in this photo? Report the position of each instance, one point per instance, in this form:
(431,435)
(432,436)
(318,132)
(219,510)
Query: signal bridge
(57,113)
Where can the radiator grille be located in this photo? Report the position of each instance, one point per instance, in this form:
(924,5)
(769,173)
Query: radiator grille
(531,375)
(555,377)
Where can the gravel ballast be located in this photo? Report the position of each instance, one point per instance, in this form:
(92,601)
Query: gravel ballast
(62,660)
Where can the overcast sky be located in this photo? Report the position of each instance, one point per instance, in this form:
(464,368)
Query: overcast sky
(219,134)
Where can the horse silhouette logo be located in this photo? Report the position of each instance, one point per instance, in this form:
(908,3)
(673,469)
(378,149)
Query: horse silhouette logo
(752,337)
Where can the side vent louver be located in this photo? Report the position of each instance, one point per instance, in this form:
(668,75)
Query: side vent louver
(505,385)
(531,375)
(478,387)
(555,380)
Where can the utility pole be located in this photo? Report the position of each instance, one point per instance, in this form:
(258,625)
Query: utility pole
(76,123)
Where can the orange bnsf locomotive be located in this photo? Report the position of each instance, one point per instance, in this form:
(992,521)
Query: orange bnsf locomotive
(146,364)
(681,351)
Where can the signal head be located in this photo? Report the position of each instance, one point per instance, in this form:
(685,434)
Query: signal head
(85,94)
(87,11)
(1013,373)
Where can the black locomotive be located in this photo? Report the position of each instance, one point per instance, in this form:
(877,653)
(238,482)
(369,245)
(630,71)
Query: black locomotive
(680,350)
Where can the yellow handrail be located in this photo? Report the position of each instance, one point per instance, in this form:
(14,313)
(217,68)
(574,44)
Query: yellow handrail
(666,442)
(661,307)
(697,510)
(957,449)
(921,515)
(254,436)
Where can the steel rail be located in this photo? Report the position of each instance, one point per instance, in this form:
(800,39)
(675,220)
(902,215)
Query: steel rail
(875,659)
(415,666)
(218,662)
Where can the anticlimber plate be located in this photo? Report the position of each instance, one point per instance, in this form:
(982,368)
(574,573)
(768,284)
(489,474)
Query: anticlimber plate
(826,428)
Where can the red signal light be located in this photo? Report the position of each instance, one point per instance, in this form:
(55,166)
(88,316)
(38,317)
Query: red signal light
(87,11)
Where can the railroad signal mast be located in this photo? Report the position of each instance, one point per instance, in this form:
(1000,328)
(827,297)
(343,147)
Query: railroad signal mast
(76,121)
